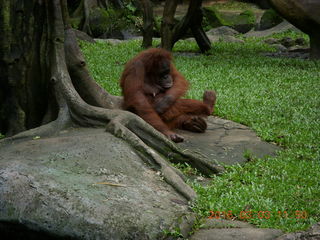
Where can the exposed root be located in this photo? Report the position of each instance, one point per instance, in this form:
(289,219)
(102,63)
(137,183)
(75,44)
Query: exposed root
(171,175)
(171,150)
(164,146)
(50,129)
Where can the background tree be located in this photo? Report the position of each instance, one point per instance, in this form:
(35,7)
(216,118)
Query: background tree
(147,30)
(46,87)
(171,32)
(167,24)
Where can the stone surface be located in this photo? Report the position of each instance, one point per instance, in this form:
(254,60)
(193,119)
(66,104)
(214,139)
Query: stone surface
(288,47)
(221,38)
(237,233)
(312,234)
(227,141)
(109,41)
(294,52)
(51,185)
(271,41)
(279,47)
(269,19)
(88,184)
(214,17)
(282,27)
(245,21)
(287,42)
(223,30)
(301,42)
(231,39)
(223,223)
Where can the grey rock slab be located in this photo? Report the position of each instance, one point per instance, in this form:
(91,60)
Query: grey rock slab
(279,47)
(311,234)
(224,223)
(226,142)
(221,31)
(282,27)
(236,233)
(231,39)
(86,184)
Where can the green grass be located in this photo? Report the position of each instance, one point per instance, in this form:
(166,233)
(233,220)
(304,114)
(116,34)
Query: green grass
(278,98)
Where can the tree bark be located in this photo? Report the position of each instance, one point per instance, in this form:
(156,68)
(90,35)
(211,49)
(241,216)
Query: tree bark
(46,87)
(192,20)
(167,25)
(147,23)
(24,99)
(304,14)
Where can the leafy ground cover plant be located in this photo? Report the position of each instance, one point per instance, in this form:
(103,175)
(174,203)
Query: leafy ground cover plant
(278,98)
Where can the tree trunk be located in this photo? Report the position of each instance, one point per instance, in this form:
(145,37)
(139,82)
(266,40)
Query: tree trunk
(193,20)
(24,88)
(304,14)
(167,24)
(172,33)
(147,23)
(46,87)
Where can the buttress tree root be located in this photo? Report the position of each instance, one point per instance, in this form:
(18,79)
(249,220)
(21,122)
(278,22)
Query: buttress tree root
(73,97)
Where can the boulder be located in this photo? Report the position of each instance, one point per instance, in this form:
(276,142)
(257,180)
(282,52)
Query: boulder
(301,42)
(269,19)
(223,30)
(88,184)
(279,47)
(83,184)
(287,42)
(271,41)
(232,39)
(244,22)
(214,18)
(282,27)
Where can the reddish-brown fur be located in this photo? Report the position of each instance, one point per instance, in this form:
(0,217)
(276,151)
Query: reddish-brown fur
(142,95)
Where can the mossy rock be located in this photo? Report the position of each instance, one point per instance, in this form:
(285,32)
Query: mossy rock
(269,19)
(245,21)
(213,19)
